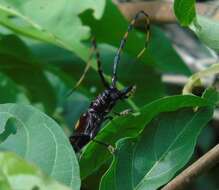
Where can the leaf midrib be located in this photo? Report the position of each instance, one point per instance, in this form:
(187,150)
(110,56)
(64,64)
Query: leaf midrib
(36,26)
(165,153)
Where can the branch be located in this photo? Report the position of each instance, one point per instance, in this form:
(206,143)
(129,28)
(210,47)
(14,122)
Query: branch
(206,162)
(162,12)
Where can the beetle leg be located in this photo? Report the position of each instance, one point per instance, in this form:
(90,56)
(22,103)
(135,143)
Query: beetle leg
(124,112)
(100,71)
(108,146)
(127,92)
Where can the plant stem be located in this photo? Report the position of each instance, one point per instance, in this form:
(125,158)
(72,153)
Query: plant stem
(206,162)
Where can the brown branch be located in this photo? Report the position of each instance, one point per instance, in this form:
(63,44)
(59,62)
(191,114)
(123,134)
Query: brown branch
(206,162)
(162,12)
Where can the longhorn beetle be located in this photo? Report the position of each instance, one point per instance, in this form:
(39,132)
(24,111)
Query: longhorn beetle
(90,122)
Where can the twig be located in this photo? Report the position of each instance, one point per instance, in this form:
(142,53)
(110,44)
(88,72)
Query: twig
(206,162)
(162,12)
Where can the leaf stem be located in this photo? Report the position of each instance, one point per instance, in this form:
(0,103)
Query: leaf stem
(206,162)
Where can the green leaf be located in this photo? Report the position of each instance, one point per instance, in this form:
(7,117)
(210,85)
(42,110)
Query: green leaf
(111,28)
(165,146)
(10,92)
(18,63)
(211,95)
(57,22)
(207,30)
(15,47)
(185,11)
(40,140)
(131,126)
(16,173)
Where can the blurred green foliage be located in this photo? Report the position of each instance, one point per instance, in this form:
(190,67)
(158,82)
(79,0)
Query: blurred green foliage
(43,51)
(204,27)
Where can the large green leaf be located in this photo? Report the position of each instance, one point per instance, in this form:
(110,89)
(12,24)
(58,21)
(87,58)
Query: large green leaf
(111,28)
(38,139)
(164,147)
(55,22)
(185,11)
(131,126)
(16,174)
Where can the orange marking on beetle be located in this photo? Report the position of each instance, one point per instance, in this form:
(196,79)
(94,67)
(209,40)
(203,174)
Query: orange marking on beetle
(126,35)
(77,124)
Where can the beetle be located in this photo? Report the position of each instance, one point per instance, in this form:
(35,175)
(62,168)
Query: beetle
(90,122)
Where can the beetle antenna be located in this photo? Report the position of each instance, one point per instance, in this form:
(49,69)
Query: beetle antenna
(124,39)
(83,75)
(93,51)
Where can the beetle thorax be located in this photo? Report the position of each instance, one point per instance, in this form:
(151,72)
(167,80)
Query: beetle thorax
(105,101)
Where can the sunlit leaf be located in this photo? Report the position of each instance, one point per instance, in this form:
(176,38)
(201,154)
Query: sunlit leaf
(38,139)
(55,22)
(16,174)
